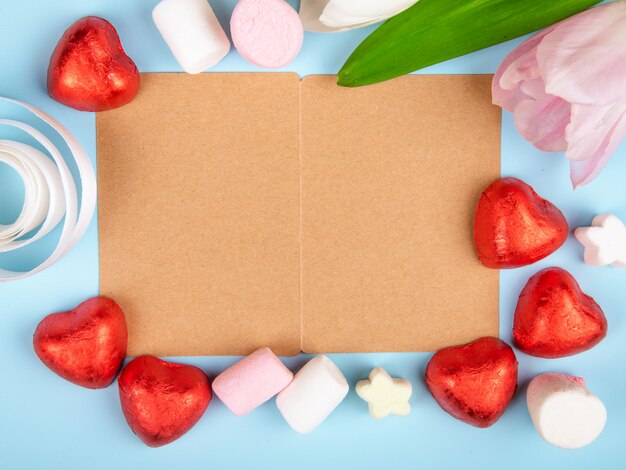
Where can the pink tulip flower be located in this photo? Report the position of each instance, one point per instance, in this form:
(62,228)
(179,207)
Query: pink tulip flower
(567,88)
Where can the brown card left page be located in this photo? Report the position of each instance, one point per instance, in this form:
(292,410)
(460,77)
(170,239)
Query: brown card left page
(199,213)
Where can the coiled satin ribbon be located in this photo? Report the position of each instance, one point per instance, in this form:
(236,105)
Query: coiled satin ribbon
(50,191)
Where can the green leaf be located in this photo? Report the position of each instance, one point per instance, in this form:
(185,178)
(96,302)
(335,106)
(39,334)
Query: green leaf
(433,31)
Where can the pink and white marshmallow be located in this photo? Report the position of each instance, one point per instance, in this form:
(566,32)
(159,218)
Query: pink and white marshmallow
(563,411)
(252,381)
(315,392)
(267,33)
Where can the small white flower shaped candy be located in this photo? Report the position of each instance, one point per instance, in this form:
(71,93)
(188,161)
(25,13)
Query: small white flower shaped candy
(604,241)
(385,395)
(328,16)
(563,411)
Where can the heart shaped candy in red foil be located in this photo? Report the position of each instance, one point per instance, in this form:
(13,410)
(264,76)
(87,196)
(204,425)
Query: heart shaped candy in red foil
(86,346)
(515,227)
(162,400)
(554,318)
(89,69)
(475,382)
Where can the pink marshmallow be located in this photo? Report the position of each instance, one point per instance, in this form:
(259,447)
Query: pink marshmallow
(252,381)
(266,32)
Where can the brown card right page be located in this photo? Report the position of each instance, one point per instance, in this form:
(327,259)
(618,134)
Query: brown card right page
(390,175)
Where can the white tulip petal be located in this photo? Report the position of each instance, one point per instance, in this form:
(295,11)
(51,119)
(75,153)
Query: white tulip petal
(341,15)
(310,12)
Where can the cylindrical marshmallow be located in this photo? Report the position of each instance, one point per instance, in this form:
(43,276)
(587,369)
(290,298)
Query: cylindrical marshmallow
(192,32)
(315,391)
(252,381)
(563,411)
(267,33)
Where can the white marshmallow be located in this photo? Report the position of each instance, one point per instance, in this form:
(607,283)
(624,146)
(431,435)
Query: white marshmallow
(384,394)
(192,32)
(604,241)
(315,391)
(563,411)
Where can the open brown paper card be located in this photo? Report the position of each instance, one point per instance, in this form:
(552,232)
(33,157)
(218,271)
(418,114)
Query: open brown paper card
(243,210)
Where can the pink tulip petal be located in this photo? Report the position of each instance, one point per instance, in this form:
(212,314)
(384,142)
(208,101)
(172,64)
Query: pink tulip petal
(589,128)
(583,59)
(505,87)
(542,118)
(583,172)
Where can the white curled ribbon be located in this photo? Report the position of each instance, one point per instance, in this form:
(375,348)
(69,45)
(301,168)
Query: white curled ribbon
(50,192)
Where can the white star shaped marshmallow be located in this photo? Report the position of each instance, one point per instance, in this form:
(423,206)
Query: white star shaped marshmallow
(384,394)
(604,241)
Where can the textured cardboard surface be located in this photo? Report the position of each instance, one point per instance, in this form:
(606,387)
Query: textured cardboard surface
(199,213)
(246,210)
(391,175)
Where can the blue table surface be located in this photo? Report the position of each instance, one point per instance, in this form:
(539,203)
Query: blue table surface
(46,422)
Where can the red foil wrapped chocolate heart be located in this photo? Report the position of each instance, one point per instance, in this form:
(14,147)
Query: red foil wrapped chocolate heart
(515,227)
(162,400)
(89,69)
(554,318)
(86,346)
(475,382)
